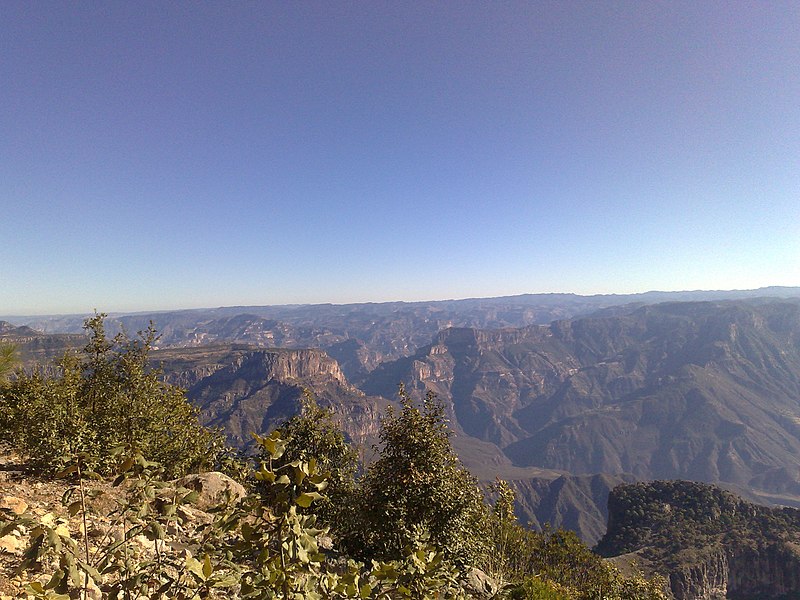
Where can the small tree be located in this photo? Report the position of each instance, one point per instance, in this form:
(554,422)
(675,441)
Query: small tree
(507,538)
(418,487)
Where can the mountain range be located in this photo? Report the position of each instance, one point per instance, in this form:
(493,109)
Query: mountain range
(565,396)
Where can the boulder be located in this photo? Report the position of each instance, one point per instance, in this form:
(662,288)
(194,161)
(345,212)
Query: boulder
(480,585)
(211,488)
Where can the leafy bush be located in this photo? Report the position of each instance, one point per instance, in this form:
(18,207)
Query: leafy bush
(416,484)
(555,565)
(535,588)
(314,433)
(105,397)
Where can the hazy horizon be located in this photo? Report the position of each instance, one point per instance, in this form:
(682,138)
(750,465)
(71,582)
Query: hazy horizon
(158,156)
(160,309)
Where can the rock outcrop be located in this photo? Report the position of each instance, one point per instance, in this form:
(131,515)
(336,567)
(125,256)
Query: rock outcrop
(212,488)
(709,543)
(749,574)
(248,390)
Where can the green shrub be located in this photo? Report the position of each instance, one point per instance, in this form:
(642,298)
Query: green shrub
(8,360)
(105,397)
(535,588)
(419,483)
(314,433)
(554,565)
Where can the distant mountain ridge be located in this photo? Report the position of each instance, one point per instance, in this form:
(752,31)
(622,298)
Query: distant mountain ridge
(508,311)
(707,391)
(361,336)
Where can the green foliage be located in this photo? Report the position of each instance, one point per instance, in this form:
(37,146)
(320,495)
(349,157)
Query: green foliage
(289,562)
(556,564)
(503,560)
(105,397)
(615,587)
(680,523)
(418,484)
(562,558)
(8,360)
(314,433)
(536,588)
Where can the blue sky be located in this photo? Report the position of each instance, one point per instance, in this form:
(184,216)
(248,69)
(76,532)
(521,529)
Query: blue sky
(166,155)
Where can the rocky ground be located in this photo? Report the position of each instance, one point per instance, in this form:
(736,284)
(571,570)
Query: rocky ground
(46,504)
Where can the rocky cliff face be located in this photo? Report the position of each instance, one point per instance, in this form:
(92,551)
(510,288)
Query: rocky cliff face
(740,574)
(773,572)
(707,580)
(247,390)
(286,365)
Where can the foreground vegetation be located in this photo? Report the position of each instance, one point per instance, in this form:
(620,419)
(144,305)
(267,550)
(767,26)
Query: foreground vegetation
(413,524)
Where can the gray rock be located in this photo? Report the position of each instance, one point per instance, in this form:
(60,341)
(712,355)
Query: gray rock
(212,488)
(480,585)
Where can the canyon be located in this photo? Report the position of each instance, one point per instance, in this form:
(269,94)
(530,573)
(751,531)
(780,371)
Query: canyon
(566,410)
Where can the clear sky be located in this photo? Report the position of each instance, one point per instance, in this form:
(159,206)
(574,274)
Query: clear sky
(187,154)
